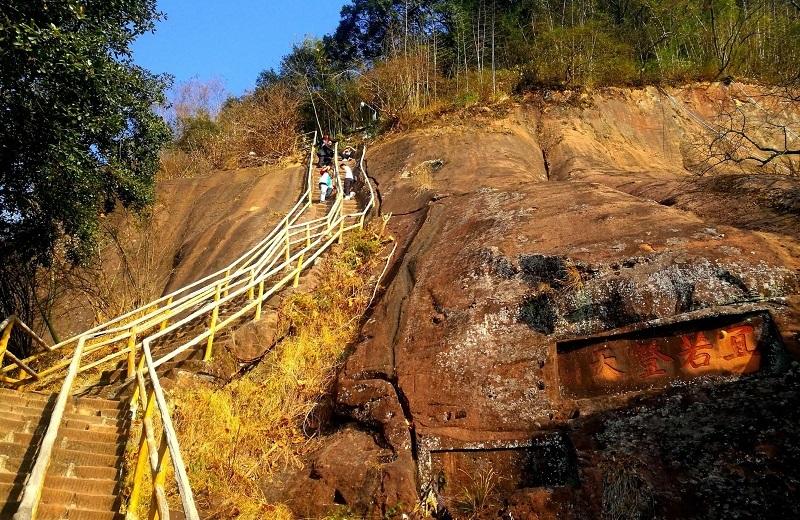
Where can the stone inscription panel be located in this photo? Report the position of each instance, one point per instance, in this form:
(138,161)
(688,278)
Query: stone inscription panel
(652,359)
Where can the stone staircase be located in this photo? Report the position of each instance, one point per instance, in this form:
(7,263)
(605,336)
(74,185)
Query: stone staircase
(83,480)
(249,340)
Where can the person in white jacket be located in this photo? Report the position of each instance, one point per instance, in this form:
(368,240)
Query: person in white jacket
(349,182)
(324,183)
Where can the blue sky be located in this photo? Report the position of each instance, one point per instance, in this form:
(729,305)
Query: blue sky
(232,40)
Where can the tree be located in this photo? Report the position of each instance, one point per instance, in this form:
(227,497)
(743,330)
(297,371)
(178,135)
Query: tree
(78,133)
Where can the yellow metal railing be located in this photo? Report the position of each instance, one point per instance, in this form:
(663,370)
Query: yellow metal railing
(213,303)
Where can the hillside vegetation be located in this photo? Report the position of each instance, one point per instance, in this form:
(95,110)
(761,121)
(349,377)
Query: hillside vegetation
(391,63)
(403,57)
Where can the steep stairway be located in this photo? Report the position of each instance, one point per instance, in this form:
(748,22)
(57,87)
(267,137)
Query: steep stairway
(83,479)
(85,474)
(247,341)
(252,339)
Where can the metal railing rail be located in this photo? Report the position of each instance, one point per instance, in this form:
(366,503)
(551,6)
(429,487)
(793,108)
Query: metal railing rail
(156,312)
(243,287)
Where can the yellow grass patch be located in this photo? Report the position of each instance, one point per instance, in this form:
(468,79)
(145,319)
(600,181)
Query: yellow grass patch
(237,437)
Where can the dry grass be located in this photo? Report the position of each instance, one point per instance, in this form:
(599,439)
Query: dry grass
(421,175)
(178,164)
(480,495)
(237,437)
(626,491)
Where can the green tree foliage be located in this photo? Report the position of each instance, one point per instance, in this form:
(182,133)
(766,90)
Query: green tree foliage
(77,130)
(408,55)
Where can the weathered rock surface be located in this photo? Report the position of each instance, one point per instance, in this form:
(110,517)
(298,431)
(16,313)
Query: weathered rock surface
(198,226)
(541,232)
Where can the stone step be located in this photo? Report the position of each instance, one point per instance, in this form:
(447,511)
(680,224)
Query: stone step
(100,416)
(89,486)
(11,491)
(72,440)
(91,475)
(75,499)
(72,429)
(30,423)
(12,478)
(7,395)
(33,398)
(17,457)
(71,470)
(65,512)
(74,492)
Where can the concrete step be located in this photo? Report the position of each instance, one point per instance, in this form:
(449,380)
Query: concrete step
(88,486)
(72,498)
(21,456)
(29,423)
(72,440)
(104,417)
(64,512)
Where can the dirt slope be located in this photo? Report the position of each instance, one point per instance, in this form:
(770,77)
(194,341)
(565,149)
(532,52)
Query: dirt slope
(198,226)
(529,355)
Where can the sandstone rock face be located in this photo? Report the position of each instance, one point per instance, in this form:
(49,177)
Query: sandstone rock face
(198,226)
(530,245)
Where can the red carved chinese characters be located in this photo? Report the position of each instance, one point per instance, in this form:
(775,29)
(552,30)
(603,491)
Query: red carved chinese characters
(691,351)
(605,364)
(631,362)
(737,341)
(650,358)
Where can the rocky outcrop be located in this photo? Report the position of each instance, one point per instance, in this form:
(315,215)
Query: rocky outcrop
(456,376)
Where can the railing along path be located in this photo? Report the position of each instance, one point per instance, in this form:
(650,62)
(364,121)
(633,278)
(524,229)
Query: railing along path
(205,307)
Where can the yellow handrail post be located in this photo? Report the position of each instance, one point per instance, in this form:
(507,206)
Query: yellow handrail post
(135,396)
(251,290)
(159,479)
(166,319)
(132,352)
(308,235)
(213,325)
(260,300)
(299,270)
(341,228)
(4,339)
(138,476)
(141,461)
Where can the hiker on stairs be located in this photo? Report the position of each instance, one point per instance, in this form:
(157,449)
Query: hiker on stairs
(326,152)
(349,182)
(324,183)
